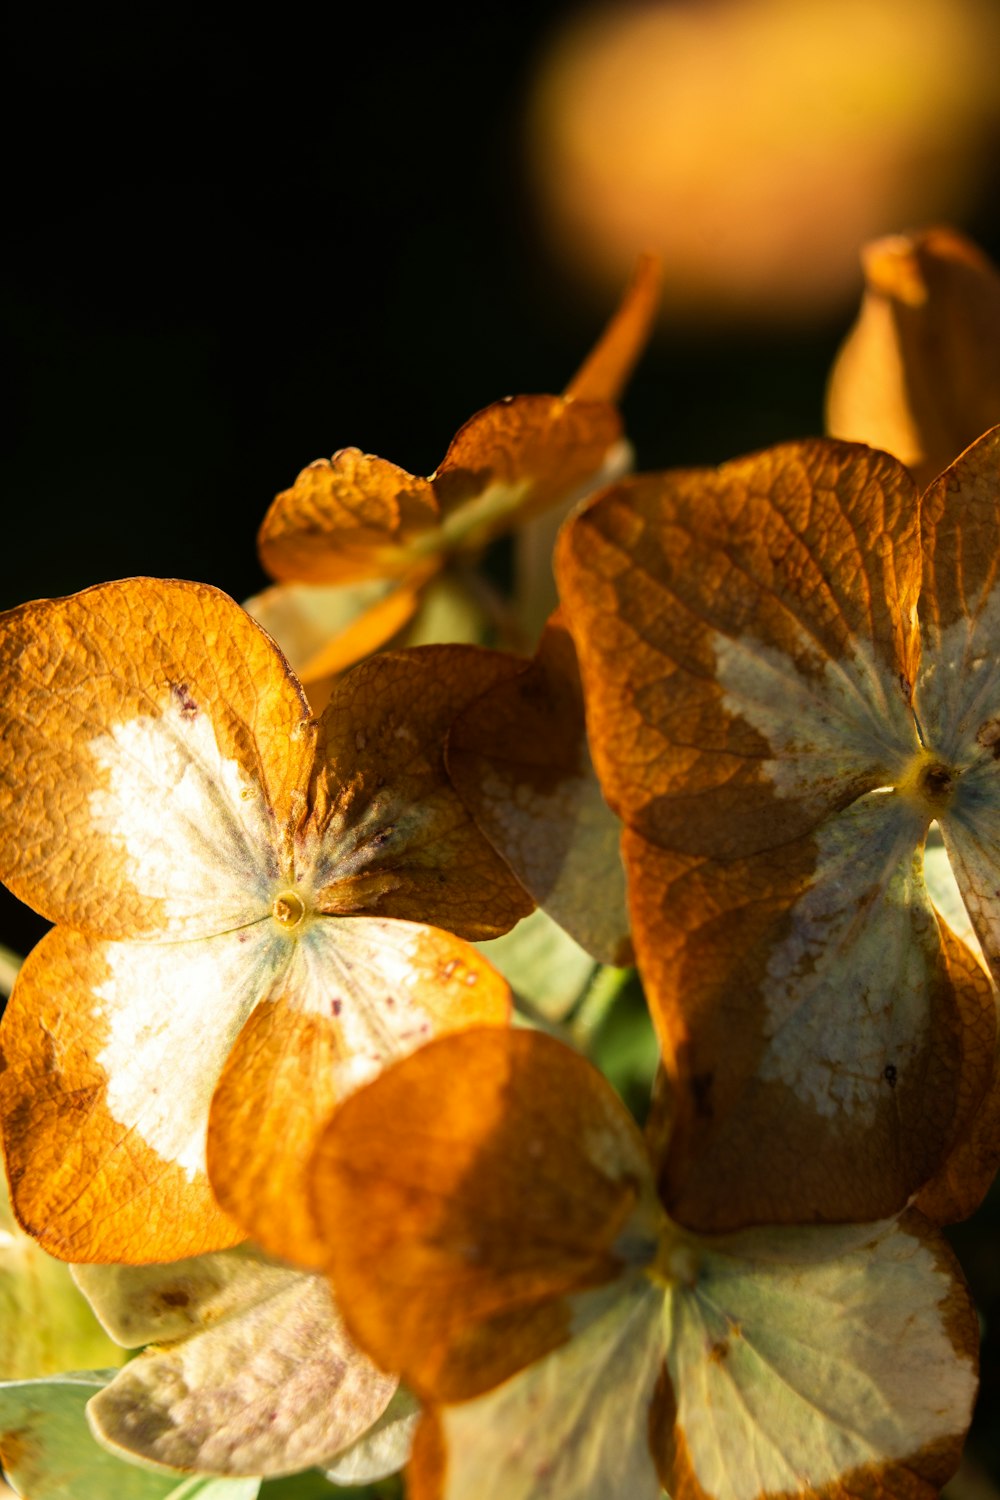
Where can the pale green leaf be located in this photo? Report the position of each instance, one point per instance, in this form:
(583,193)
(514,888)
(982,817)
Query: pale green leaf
(49,1454)
(547,970)
(45,1324)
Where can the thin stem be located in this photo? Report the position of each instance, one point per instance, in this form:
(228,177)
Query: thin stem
(604,989)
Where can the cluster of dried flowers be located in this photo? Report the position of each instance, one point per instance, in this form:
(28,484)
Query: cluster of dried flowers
(260,1088)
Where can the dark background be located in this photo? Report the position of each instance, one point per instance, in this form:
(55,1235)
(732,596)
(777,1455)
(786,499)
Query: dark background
(236,245)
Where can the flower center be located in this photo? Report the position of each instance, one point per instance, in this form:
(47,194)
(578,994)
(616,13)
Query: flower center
(930,783)
(677,1259)
(288,910)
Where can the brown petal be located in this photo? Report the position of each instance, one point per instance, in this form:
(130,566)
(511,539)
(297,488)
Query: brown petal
(826,1041)
(484,1179)
(520,761)
(397,840)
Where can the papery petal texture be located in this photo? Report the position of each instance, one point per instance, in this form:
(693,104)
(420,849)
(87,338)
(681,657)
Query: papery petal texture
(750,658)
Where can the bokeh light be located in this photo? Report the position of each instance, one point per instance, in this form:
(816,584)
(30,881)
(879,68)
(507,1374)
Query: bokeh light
(758,143)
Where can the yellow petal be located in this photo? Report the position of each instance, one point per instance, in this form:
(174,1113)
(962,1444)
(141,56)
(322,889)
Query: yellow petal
(112,1052)
(919,373)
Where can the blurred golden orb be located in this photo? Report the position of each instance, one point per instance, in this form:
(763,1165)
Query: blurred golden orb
(757,143)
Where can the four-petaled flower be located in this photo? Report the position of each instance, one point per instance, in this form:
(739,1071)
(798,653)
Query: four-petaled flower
(792,671)
(242,892)
(509,1255)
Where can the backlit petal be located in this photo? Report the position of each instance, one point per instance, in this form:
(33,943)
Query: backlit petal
(345,519)
(153,745)
(818,1362)
(112,1052)
(361,992)
(394,838)
(488,1176)
(919,373)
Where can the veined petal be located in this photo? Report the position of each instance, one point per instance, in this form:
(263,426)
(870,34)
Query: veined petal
(153,751)
(488,1177)
(746,641)
(260,1376)
(384,1448)
(519,759)
(516,458)
(827,1041)
(388,833)
(111,1054)
(818,1362)
(573,1426)
(957,695)
(347,518)
(360,992)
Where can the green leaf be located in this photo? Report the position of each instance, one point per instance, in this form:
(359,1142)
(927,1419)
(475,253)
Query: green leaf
(545,968)
(49,1454)
(45,1324)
